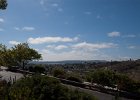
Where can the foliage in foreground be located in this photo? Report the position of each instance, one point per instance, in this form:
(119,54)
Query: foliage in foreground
(4,90)
(42,88)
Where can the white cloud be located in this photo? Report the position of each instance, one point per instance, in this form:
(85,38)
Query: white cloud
(49,5)
(73,55)
(79,51)
(79,54)
(70,55)
(93,46)
(50,46)
(114,34)
(1,20)
(60,47)
(24,28)
(82,46)
(41,40)
(14,42)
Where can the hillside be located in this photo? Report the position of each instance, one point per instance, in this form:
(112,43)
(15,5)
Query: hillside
(132,68)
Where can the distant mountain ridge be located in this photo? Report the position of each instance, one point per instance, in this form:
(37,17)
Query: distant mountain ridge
(68,62)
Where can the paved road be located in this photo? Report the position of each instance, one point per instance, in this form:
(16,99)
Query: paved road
(99,95)
(9,76)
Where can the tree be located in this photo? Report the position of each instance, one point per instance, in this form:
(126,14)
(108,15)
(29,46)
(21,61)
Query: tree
(22,54)
(19,55)
(2,51)
(5,56)
(3,4)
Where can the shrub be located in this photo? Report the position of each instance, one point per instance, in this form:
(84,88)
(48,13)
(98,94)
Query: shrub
(59,72)
(73,78)
(103,76)
(37,69)
(44,88)
(4,90)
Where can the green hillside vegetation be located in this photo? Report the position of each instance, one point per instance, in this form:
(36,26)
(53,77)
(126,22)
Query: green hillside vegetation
(61,73)
(40,88)
(106,77)
(130,68)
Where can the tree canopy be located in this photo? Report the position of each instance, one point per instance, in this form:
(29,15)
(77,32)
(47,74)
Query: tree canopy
(3,4)
(19,55)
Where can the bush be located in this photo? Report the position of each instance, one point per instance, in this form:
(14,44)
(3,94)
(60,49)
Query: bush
(59,72)
(73,78)
(127,84)
(4,90)
(103,77)
(37,69)
(44,88)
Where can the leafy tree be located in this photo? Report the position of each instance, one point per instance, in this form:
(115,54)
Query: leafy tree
(3,49)
(5,56)
(3,4)
(23,54)
(19,55)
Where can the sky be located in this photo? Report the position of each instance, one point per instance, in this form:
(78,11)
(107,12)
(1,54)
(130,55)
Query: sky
(74,29)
